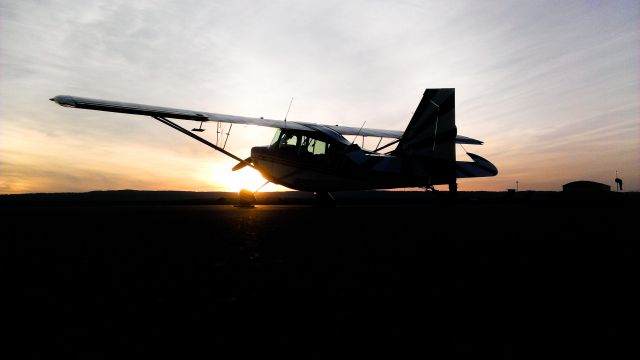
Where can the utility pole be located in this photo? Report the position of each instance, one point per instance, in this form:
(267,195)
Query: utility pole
(516,185)
(618,183)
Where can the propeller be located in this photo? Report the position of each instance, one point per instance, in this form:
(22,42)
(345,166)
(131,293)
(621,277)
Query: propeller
(241,164)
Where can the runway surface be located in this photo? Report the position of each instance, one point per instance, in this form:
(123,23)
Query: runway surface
(440,279)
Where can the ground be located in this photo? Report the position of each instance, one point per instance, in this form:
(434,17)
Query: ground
(506,278)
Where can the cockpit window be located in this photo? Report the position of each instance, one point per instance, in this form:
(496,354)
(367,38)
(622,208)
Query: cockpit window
(301,144)
(276,138)
(317,147)
(289,140)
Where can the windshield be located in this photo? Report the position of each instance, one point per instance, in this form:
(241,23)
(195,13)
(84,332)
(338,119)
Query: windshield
(276,137)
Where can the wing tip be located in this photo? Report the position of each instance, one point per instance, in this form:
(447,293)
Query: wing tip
(64,100)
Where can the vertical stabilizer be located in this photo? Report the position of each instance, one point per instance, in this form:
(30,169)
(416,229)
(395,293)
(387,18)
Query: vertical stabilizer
(428,143)
(432,129)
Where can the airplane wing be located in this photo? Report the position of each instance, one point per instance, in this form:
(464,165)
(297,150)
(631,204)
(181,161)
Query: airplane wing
(396,134)
(139,109)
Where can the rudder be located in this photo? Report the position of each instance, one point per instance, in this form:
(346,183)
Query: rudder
(432,130)
(429,141)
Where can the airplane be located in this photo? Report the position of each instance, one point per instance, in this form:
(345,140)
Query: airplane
(318,158)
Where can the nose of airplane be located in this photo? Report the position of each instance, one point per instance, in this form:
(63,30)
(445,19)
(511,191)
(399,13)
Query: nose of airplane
(258,156)
(256,151)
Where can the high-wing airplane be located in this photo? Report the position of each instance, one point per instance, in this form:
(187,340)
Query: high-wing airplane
(318,158)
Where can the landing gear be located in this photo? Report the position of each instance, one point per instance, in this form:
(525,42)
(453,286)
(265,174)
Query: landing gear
(453,187)
(246,198)
(453,190)
(323,198)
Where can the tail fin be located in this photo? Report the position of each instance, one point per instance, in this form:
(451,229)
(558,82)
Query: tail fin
(430,138)
(432,129)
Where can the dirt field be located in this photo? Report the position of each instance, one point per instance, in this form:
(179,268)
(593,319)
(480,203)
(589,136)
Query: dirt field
(505,279)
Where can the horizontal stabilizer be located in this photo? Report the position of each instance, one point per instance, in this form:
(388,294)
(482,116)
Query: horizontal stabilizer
(467,140)
(479,167)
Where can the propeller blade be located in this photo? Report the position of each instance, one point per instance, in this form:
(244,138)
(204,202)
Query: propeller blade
(241,164)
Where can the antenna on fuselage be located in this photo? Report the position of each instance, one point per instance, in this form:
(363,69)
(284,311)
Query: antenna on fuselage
(287,114)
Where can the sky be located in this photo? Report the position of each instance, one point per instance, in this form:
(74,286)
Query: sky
(552,87)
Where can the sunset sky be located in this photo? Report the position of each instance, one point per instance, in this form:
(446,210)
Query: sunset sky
(552,87)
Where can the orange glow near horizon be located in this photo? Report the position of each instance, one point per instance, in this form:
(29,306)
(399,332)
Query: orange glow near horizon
(246,178)
(37,161)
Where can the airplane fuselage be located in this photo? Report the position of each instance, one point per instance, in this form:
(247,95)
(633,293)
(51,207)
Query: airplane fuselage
(321,162)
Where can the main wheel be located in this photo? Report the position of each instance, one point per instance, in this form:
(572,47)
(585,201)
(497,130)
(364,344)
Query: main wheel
(246,198)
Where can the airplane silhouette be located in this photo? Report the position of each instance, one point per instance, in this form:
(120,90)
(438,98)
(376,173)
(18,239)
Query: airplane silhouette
(318,158)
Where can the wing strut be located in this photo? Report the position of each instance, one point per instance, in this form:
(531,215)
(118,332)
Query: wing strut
(190,134)
(386,146)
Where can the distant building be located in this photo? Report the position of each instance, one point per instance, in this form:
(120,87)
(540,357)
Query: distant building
(585,186)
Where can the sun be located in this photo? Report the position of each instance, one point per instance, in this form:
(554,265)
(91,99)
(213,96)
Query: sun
(224,179)
(246,178)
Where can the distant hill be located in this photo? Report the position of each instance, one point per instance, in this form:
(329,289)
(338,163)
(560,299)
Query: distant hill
(135,197)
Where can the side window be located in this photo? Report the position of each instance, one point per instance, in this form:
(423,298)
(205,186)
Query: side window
(313,148)
(292,140)
(288,142)
(318,147)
